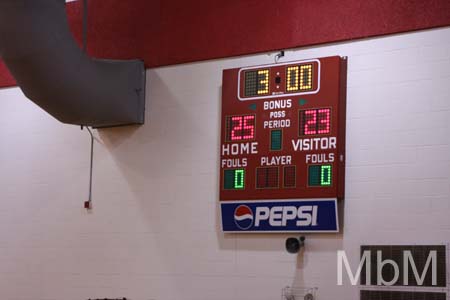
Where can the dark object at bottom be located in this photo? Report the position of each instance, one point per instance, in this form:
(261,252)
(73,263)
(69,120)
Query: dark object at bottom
(397,295)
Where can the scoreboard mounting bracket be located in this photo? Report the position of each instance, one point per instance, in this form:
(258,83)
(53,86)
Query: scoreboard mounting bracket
(282,152)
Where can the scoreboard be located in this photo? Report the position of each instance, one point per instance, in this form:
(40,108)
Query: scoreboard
(282,151)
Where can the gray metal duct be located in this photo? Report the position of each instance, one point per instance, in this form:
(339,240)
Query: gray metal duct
(50,68)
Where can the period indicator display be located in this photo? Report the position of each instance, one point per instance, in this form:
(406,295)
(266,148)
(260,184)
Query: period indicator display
(282,151)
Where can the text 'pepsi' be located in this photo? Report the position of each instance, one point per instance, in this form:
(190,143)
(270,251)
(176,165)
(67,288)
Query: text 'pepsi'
(301,216)
(280,215)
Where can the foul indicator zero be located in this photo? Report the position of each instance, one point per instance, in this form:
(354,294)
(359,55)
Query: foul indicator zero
(282,135)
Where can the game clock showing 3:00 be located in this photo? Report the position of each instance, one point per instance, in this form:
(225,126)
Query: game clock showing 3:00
(297,79)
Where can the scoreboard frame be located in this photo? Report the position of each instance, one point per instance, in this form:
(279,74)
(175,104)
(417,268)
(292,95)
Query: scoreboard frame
(323,105)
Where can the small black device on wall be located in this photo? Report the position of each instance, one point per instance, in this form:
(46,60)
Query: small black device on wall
(293,245)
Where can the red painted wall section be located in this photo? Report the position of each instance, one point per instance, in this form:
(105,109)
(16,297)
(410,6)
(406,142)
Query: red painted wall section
(165,32)
(6,78)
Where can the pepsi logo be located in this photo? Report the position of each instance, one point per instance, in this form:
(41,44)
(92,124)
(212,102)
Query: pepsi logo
(243,217)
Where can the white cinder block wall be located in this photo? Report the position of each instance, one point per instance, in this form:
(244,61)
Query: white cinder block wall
(154,231)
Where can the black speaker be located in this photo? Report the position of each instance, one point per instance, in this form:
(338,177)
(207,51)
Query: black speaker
(293,245)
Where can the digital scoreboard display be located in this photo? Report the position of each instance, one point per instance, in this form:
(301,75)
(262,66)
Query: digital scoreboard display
(282,151)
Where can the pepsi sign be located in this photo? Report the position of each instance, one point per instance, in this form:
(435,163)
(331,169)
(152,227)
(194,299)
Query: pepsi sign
(318,215)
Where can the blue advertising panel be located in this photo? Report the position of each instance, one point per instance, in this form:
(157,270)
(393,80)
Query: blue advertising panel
(317,215)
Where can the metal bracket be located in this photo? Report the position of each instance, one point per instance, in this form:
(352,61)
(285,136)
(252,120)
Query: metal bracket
(279,55)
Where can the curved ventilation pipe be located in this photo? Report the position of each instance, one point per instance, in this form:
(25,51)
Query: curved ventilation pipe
(50,68)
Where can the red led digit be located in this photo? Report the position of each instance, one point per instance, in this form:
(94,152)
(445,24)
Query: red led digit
(236,128)
(311,122)
(324,121)
(315,121)
(240,128)
(248,128)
